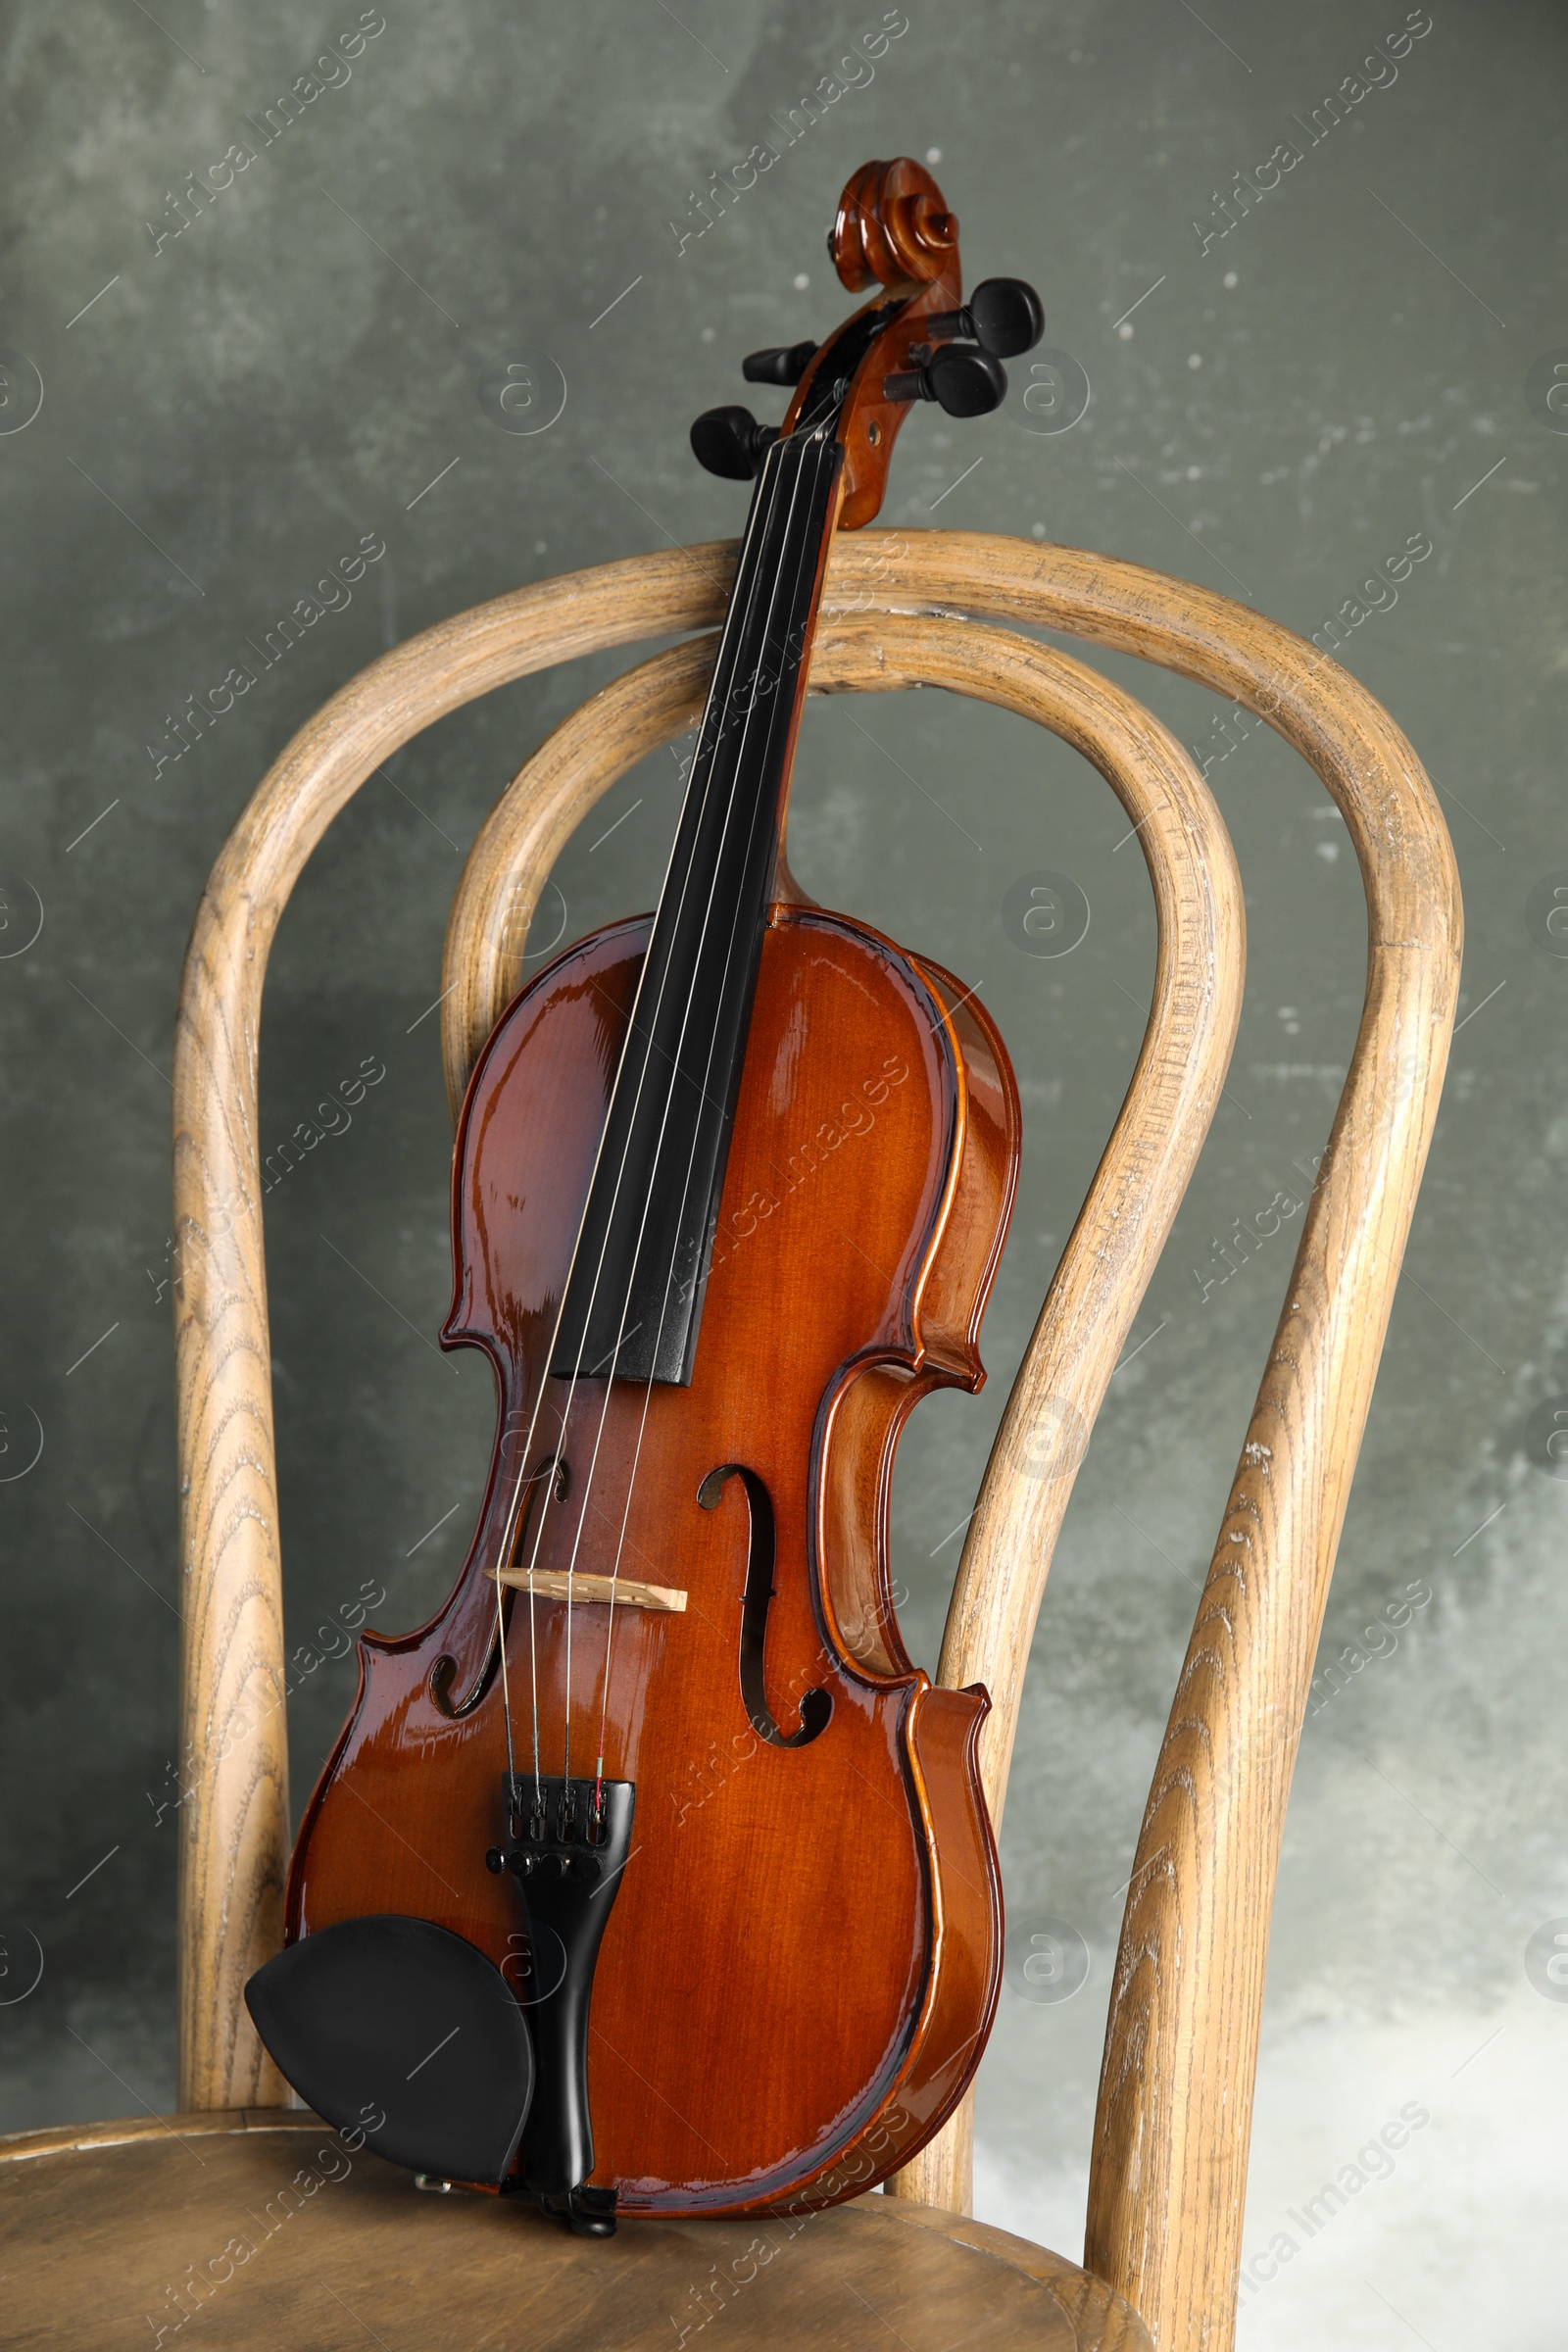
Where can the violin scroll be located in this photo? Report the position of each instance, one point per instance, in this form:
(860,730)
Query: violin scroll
(916,340)
(892,227)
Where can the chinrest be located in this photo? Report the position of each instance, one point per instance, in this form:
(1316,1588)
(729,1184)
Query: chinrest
(401,2020)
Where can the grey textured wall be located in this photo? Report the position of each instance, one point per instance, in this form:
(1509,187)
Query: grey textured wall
(1283,396)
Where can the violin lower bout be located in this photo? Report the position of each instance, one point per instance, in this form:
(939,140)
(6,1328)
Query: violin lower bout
(801,1967)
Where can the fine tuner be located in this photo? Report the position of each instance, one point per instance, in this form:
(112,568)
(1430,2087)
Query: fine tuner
(957,363)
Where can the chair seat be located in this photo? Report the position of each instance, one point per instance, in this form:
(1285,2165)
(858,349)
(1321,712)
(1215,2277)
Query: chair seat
(264,2223)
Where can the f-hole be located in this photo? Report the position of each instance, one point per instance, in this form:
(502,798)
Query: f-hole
(816,1706)
(442,1671)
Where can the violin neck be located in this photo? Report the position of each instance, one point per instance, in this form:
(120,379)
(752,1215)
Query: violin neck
(634,1296)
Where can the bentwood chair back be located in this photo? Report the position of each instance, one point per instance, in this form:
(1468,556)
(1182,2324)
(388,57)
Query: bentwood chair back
(1172,2128)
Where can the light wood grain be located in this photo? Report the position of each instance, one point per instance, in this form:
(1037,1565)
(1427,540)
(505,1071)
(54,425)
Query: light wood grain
(234,1844)
(1174,2120)
(1168,2173)
(282,2234)
(1099,2319)
(1148,1161)
(578,1585)
(520,840)
(117,2131)
(234,1847)
(1170,1101)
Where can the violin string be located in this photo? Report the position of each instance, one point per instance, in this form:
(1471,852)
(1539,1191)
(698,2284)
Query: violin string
(781,589)
(510,1525)
(533,1650)
(641,1425)
(735,623)
(506,1692)
(670,1100)
(760,521)
(757,812)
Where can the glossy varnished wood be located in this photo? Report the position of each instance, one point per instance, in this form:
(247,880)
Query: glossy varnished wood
(234,1844)
(583,1584)
(1171,1098)
(1161,2133)
(893,231)
(264,2230)
(1173,2126)
(804,1948)
(1169,2155)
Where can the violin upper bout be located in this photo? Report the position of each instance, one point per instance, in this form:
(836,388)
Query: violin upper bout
(527,1140)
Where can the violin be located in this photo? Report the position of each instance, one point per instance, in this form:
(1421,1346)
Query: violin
(651,1875)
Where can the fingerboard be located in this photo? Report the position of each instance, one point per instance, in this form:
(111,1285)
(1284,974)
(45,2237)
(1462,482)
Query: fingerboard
(634,1295)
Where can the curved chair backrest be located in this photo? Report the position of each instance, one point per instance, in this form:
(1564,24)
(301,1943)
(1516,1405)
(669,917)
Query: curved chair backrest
(1169,2159)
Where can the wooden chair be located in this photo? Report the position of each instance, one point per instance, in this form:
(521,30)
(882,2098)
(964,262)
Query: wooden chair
(118,2221)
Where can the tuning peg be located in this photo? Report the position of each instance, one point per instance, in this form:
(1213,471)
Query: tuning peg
(1002,315)
(731,442)
(780,364)
(965,380)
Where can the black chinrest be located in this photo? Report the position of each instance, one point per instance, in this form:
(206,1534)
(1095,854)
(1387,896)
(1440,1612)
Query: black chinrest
(400,2019)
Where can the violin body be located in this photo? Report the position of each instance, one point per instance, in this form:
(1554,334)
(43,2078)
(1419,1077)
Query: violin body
(652,1876)
(803,1958)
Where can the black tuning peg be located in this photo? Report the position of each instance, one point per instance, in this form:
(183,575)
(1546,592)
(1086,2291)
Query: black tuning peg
(780,364)
(731,442)
(1002,315)
(965,380)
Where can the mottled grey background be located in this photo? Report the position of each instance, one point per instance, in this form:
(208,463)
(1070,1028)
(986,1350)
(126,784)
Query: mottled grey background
(1344,369)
